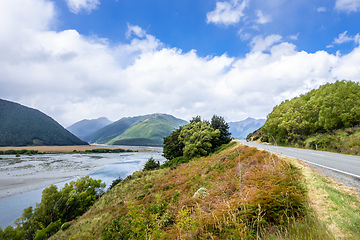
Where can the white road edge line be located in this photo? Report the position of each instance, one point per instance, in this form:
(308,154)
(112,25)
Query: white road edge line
(319,165)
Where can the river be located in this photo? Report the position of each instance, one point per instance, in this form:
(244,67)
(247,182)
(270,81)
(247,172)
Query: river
(23,179)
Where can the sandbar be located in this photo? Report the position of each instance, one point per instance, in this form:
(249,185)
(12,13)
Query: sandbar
(26,173)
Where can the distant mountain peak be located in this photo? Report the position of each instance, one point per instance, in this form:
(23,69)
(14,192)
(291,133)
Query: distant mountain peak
(241,129)
(86,127)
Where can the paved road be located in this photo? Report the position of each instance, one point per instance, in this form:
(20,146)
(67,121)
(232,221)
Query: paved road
(349,165)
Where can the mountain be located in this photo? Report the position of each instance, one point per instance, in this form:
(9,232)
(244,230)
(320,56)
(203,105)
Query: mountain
(146,130)
(86,127)
(242,128)
(24,126)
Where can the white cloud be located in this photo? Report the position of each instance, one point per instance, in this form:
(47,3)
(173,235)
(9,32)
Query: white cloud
(348,5)
(262,19)
(136,30)
(321,9)
(227,13)
(76,6)
(71,77)
(260,44)
(294,37)
(344,38)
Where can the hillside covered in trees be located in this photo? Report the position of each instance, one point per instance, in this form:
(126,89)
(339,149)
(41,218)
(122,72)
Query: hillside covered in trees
(326,118)
(145,130)
(24,126)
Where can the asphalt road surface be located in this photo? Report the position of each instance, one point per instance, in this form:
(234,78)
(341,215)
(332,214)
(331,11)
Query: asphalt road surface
(345,164)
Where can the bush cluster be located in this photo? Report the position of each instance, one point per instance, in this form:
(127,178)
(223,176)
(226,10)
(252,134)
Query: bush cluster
(196,139)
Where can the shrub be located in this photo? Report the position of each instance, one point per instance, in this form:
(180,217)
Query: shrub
(151,164)
(115,182)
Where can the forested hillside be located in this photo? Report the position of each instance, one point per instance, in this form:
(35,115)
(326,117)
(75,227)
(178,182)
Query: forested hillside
(317,118)
(23,126)
(146,130)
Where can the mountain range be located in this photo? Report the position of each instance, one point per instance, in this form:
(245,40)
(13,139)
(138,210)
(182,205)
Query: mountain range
(86,127)
(242,128)
(145,130)
(24,126)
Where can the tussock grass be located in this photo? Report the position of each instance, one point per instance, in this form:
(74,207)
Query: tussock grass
(238,192)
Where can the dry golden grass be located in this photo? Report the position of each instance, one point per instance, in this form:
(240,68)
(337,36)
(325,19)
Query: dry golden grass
(244,192)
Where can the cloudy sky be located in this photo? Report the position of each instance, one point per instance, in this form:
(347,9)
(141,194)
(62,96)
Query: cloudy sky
(84,59)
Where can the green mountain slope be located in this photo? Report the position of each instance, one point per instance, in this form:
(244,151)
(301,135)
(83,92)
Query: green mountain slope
(147,130)
(317,119)
(23,126)
(111,131)
(154,129)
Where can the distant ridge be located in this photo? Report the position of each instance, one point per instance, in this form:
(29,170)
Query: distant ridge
(242,128)
(145,130)
(86,127)
(24,126)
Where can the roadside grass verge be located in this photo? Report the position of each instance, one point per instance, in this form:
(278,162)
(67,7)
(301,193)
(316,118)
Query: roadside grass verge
(238,192)
(336,205)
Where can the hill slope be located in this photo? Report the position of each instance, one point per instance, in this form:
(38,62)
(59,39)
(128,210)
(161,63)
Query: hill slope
(242,128)
(147,130)
(319,119)
(215,196)
(86,127)
(23,126)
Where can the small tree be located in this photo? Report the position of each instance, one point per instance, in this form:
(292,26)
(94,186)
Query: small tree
(218,122)
(197,137)
(151,164)
(173,147)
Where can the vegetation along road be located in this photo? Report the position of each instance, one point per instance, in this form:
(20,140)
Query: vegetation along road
(346,164)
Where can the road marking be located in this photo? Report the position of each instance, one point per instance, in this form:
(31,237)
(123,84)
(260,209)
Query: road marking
(319,165)
(333,169)
(318,154)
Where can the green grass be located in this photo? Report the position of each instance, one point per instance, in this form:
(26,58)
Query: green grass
(346,141)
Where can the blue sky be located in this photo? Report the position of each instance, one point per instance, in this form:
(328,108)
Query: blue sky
(76,59)
(311,25)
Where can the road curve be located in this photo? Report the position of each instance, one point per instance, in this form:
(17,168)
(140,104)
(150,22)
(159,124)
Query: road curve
(346,164)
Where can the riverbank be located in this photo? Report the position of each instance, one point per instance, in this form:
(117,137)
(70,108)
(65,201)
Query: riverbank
(57,149)
(26,173)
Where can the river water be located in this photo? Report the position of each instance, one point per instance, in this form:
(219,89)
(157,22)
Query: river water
(117,165)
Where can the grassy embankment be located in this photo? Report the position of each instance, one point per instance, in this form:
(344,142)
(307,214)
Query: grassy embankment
(346,141)
(237,193)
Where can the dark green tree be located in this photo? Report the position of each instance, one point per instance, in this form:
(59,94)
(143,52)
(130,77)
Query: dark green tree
(218,122)
(151,164)
(197,137)
(173,147)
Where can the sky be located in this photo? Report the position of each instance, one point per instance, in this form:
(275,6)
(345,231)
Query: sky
(84,59)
